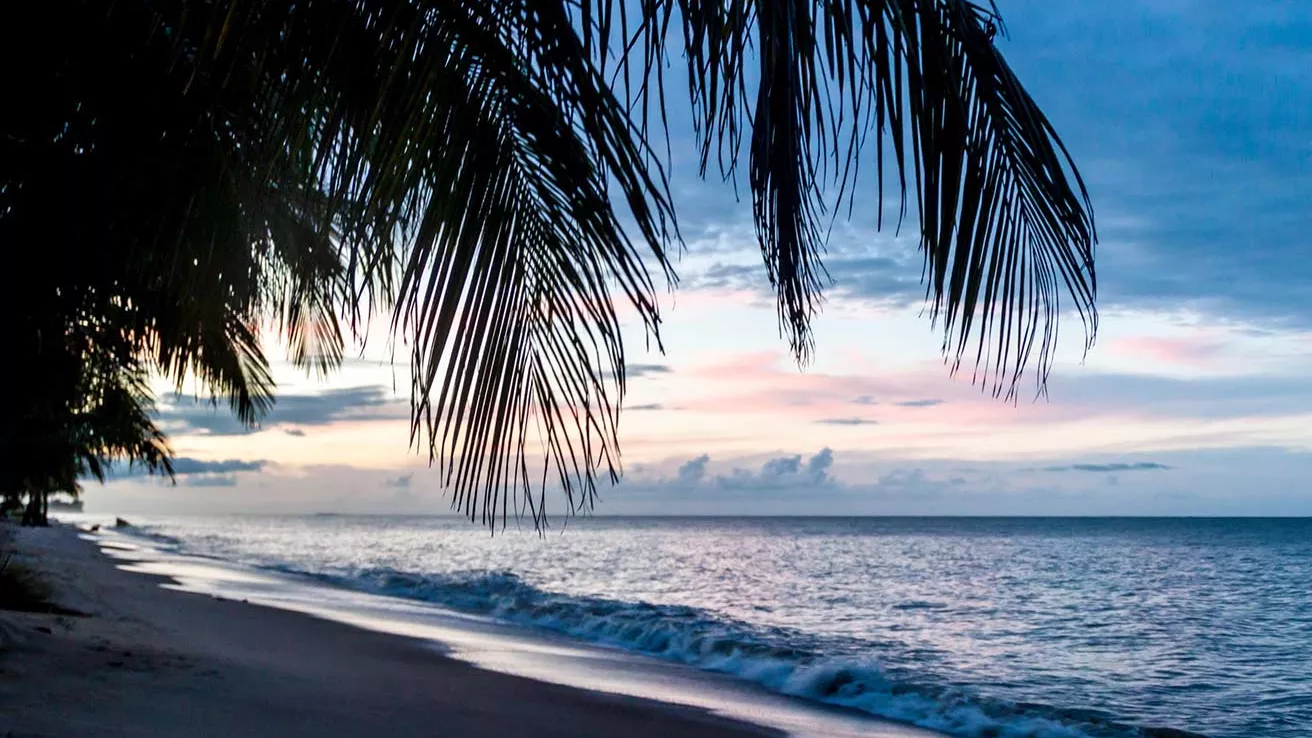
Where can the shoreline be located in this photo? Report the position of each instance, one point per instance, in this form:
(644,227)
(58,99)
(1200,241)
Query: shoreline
(146,660)
(171,646)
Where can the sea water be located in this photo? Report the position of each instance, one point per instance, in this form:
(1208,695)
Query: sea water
(975,627)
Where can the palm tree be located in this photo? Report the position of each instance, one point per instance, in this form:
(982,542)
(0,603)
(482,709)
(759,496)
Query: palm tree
(142,250)
(491,174)
(83,410)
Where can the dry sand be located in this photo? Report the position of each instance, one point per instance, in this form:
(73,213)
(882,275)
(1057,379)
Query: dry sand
(148,661)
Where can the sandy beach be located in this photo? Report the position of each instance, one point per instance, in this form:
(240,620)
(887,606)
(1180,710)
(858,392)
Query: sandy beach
(143,660)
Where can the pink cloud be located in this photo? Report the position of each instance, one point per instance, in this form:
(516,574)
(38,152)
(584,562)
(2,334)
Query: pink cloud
(1195,352)
(767,383)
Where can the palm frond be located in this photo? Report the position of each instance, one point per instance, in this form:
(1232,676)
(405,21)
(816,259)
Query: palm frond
(1006,224)
(461,158)
(471,168)
(118,426)
(508,287)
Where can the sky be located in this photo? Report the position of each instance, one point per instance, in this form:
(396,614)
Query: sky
(1192,125)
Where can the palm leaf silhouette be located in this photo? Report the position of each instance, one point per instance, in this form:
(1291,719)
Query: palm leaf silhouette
(486,173)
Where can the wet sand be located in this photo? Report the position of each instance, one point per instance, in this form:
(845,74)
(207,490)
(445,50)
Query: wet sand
(144,660)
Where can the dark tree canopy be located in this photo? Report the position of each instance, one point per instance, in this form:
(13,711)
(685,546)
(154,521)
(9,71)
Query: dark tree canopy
(181,174)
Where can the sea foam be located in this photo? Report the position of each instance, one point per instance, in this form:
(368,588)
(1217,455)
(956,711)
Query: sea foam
(768,657)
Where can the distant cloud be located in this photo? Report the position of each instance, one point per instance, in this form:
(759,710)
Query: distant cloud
(401,482)
(821,463)
(211,480)
(642,370)
(1158,184)
(877,279)
(778,473)
(636,371)
(185,465)
(1190,351)
(797,484)
(865,400)
(648,406)
(693,471)
(294,432)
(1193,398)
(782,466)
(919,403)
(733,277)
(846,421)
(883,280)
(1202,482)
(1114,467)
(203,473)
(781,473)
(366,403)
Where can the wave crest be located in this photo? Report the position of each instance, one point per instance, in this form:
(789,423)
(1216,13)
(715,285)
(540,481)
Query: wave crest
(785,661)
(779,660)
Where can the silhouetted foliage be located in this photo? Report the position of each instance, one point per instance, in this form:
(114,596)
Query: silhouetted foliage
(185,172)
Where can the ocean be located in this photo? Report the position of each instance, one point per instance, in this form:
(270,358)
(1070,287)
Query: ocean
(973,627)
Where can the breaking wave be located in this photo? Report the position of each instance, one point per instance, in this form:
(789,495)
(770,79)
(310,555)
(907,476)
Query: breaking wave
(781,660)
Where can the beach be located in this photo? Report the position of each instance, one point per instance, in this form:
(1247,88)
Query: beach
(144,660)
(844,628)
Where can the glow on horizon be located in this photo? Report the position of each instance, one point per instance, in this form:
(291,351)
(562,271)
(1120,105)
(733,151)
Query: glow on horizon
(716,401)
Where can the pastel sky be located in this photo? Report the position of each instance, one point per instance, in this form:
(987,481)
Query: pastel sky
(1193,127)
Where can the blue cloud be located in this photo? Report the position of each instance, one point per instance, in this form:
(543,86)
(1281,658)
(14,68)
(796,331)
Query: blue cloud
(1213,397)
(184,415)
(782,474)
(692,472)
(1199,482)
(776,475)
(1108,468)
(186,465)
(632,371)
(1192,126)
(196,472)
(846,421)
(211,480)
(400,482)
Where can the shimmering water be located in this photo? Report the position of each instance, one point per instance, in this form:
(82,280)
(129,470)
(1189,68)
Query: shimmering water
(976,627)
